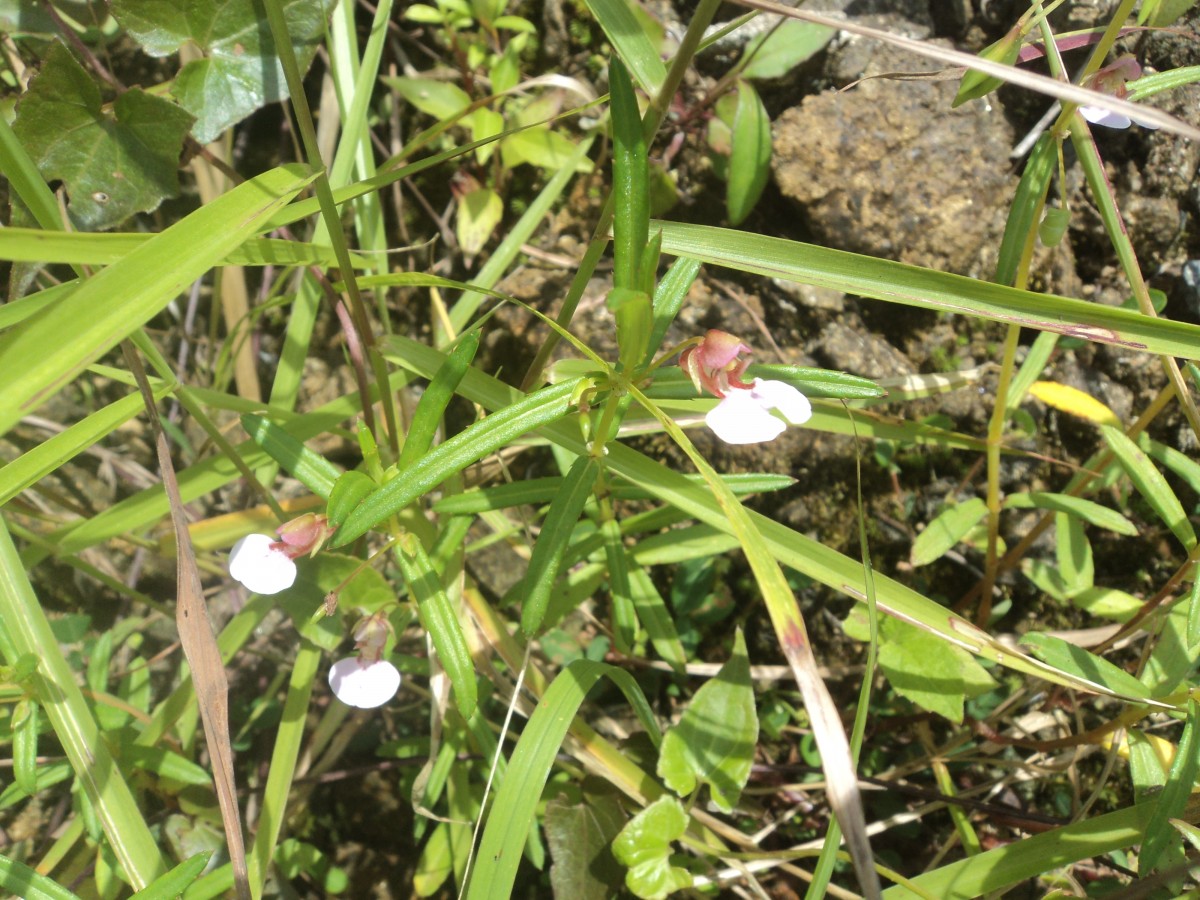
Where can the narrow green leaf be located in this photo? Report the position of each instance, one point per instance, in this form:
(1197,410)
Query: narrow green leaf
(750,156)
(672,383)
(552,542)
(1078,661)
(175,882)
(669,296)
(899,283)
(715,739)
(946,530)
(630,41)
(21,881)
(1151,484)
(26,630)
(348,491)
(624,613)
(976,84)
(436,398)
(24,745)
(1193,616)
(47,456)
(1087,510)
(468,446)
(308,467)
(652,612)
(440,618)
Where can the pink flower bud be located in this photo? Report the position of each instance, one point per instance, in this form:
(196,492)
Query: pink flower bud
(304,535)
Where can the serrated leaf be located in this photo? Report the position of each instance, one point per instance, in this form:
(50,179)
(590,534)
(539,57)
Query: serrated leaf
(749,156)
(1151,484)
(1071,400)
(781,50)
(644,846)
(930,671)
(579,835)
(946,530)
(114,161)
(239,71)
(479,212)
(1080,662)
(715,739)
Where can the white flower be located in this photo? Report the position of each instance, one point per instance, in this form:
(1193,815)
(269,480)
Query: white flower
(744,415)
(1098,115)
(258,563)
(364,685)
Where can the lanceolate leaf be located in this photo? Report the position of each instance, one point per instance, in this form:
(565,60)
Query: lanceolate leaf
(1151,485)
(239,71)
(114,161)
(750,158)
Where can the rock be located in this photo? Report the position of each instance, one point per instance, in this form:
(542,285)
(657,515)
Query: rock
(859,352)
(889,169)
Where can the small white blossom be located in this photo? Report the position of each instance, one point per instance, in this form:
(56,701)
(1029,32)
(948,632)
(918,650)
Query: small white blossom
(1098,115)
(259,563)
(364,685)
(744,415)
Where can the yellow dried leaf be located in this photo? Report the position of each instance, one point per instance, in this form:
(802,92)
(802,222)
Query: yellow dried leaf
(1074,401)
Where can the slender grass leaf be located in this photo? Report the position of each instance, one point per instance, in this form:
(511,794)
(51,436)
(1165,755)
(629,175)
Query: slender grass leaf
(311,469)
(1074,553)
(630,41)
(28,884)
(25,721)
(520,792)
(468,446)
(672,290)
(435,399)
(26,630)
(45,352)
(84,248)
(899,283)
(574,490)
(1150,484)
(440,619)
(174,883)
(652,612)
(624,613)
(348,491)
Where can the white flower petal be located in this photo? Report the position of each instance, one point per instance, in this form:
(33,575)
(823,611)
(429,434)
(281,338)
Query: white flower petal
(783,397)
(1098,115)
(263,570)
(741,419)
(364,686)
(1153,126)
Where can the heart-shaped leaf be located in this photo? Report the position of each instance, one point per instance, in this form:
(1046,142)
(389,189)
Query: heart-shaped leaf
(239,71)
(114,161)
